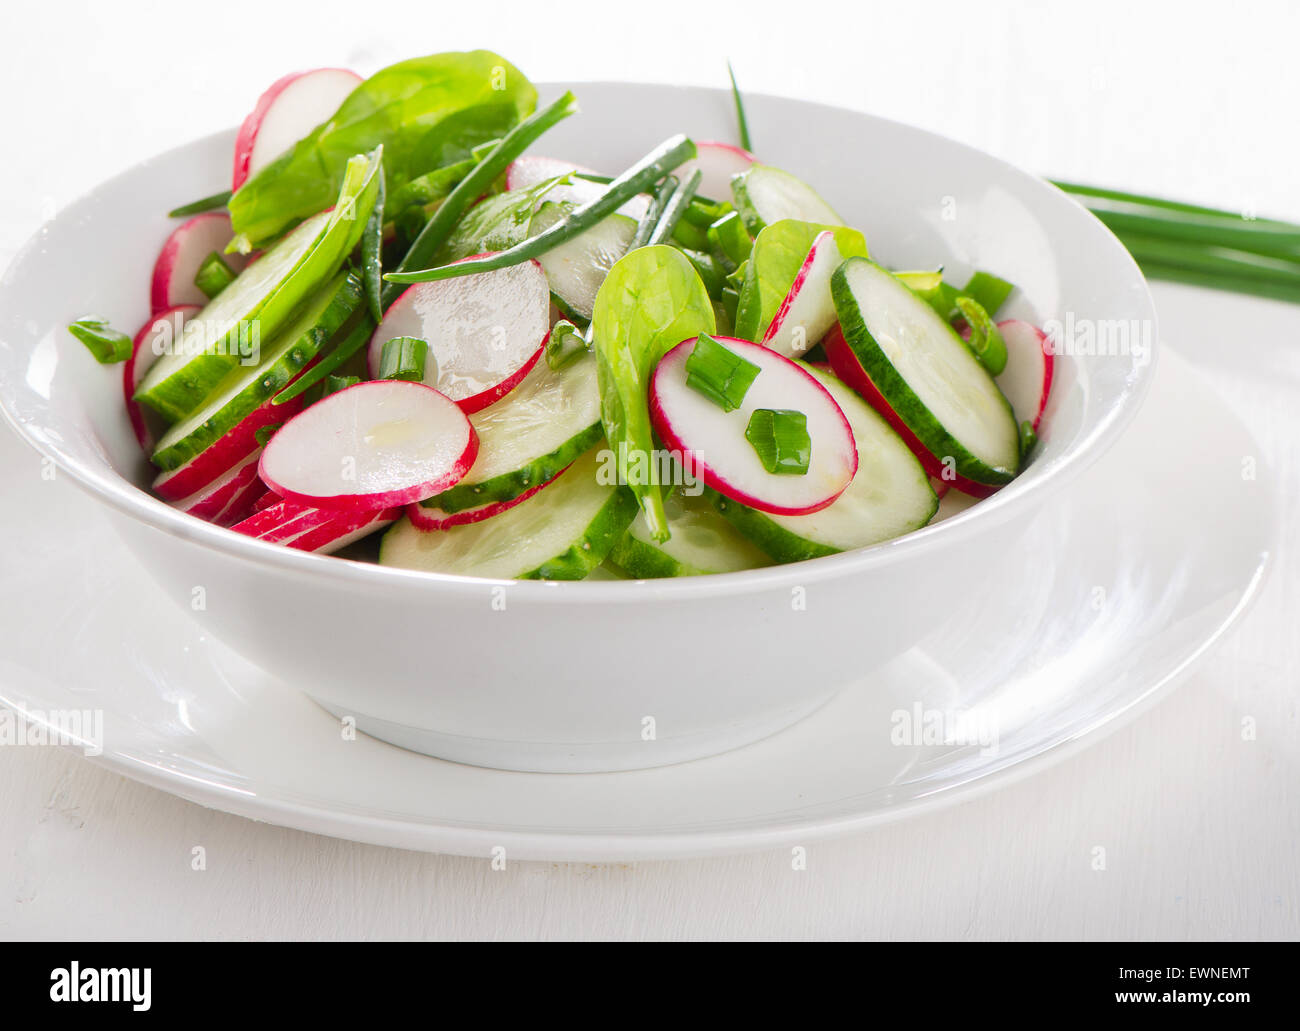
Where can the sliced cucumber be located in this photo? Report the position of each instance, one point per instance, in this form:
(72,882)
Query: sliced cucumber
(577,267)
(530,435)
(562,532)
(246,388)
(890,494)
(926,374)
(252,309)
(702,542)
(496,223)
(765,195)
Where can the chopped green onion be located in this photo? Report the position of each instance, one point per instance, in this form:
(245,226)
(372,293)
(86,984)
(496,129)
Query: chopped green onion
(106,344)
(689,235)
(1028,438)
(984,340)
(672,211)
(474,185)
(566,344)
(710,275)
(703,213)
(649,170)
(730,300)
(990,292)
(719,374)
(742,124)
(263,434)
(403,358)
(356,338)
(217,200)
(780,439)
(729,238)
(214,275)
(921,282)
(333,384)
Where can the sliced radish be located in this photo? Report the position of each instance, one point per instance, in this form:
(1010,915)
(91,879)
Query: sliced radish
(808,311)
(227,451)
(714,439)
(1027,379)
(161,330)
(215,498)
(266,500)
(313,529)
(484,331)
(717,163)
(241,505)
(430,519)
(178,262)
(285,113)
(374,445)
(532,169)
(847,367)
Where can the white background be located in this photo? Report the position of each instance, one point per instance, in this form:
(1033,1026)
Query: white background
(1201,828)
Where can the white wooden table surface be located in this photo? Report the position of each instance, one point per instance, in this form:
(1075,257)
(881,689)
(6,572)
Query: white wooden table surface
(1201,827)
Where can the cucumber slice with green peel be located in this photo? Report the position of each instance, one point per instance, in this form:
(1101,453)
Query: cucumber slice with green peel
(912,367)
(562,532)
(577,267)
(530,435)
(702,542)
(764,195)
(890,494)
(246,388)
(262,298)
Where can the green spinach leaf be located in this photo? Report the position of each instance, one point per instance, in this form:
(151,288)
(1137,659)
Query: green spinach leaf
(651,301)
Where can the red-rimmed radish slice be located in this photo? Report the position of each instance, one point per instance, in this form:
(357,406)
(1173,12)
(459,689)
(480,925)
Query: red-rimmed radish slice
(225,452)
(291,108)
(266,500)
(172,283)
(430,519)
(717,163)
(373,445)
(1027,379)
(847,367)
(162,329)
(340,531)
(531,169)
(714,439)
(214,499)
(241,505)
(308,528)
(808,311)
(485,331)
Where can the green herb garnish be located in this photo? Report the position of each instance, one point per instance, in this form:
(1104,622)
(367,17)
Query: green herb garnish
(780,439)
(719,374)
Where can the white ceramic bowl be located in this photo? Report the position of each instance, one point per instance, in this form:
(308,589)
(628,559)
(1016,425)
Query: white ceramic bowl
(602,675)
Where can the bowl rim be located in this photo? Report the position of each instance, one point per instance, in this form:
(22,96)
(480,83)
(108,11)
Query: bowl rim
(129,500)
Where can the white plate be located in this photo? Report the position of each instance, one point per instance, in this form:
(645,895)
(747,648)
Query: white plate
(1142,564)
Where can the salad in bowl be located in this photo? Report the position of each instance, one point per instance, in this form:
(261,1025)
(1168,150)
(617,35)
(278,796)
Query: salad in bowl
(410,334)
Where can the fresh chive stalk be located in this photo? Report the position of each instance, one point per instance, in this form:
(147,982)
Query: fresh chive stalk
(475,184)
(719,374)
(403,358)
(780,438)
(355,339)
(214,275)
(658,202)
(198,207)
(985,339)
(674,208)
(742,123)
(640,177)
(372,251)
(106,344)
